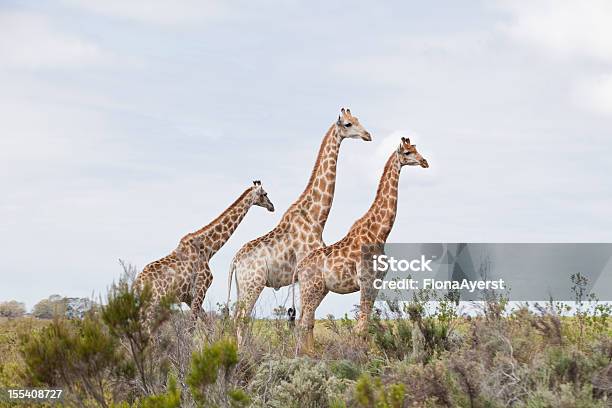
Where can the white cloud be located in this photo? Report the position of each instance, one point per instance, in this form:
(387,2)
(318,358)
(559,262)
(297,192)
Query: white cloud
(578,33)
(595,94)
(389,143)
(155,11)
(564,28)
(370,167)
(404,59)
(32,41)
(42,133)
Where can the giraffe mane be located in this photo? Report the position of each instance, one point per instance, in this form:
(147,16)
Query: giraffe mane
(224,213)
(320,155)
(386,170)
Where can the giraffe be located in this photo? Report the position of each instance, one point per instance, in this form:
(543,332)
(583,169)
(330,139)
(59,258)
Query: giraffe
(269,261)
(185,272)
(339,267)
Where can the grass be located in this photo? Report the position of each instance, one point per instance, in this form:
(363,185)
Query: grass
(417,354)
(11,360)
(522,359)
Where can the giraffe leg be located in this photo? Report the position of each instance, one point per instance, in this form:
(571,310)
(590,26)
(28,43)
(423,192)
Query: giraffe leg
(245,306)
(149,313)
(365,308)
(202,283)
(367,298)
(312,292)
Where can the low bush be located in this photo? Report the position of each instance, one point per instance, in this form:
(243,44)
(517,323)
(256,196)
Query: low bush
(297,382)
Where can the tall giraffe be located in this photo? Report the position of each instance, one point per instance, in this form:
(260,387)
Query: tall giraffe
(185,272)
(269,261)
(339,267)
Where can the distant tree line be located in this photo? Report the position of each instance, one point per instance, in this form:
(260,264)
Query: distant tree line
(53,306)
(12,309)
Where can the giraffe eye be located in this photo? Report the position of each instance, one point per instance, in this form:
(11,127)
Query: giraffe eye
(348,125)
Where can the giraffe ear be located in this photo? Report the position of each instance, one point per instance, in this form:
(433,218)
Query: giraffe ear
(339,121)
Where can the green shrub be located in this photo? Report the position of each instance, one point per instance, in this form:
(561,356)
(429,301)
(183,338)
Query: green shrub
(170,399)
(372,393)
(297,382)
(392,336)
(571,366)
(206,365)
(132,317)
(46,352)
(110,352)
(345,369)
(79,356)
(12,366)
(566,397)
(431,384)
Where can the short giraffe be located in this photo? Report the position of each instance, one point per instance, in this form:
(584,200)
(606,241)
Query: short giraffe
(339,267)
(185,272)
(269,261)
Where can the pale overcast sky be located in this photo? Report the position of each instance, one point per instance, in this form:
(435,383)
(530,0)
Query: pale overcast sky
(127,124)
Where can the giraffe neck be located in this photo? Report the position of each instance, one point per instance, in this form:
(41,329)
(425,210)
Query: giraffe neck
(316,200)
(380,217)
(210,238)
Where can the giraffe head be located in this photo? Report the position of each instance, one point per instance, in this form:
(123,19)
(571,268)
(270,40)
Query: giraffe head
(409,156)
(348,126)
(261,197)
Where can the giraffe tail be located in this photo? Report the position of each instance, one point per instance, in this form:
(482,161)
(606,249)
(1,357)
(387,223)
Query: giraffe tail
(229,283)
(293,280)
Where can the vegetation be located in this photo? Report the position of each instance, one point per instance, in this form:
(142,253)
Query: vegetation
(419,354)
(53,306)
(12,309)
